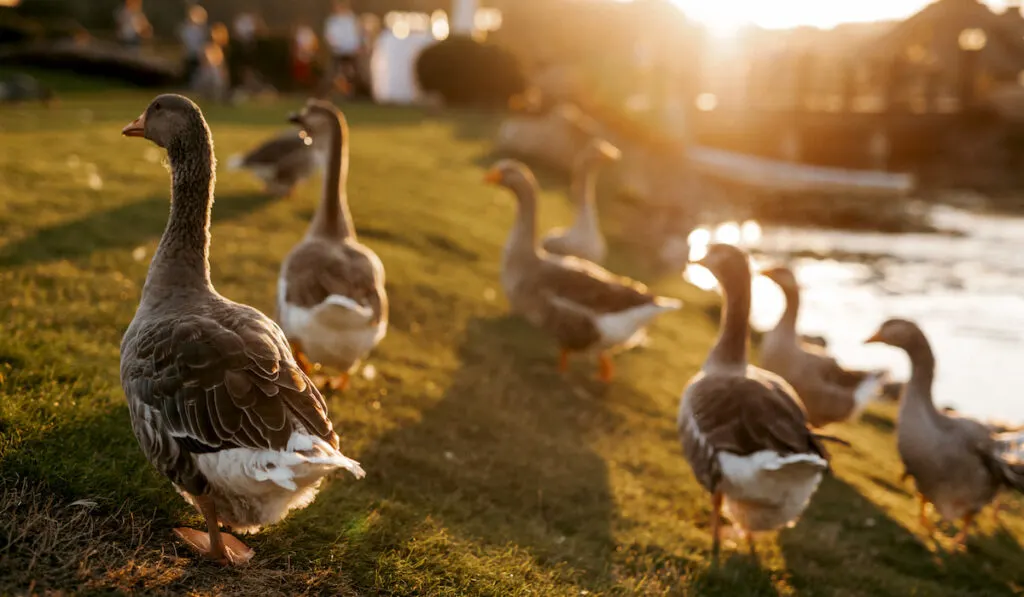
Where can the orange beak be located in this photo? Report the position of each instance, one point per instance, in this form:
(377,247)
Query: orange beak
(137,128)
(493,176)
(877,337)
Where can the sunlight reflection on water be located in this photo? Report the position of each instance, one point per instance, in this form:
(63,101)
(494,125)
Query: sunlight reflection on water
(967,293)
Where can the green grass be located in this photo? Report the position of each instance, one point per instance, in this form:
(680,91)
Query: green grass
(488,472)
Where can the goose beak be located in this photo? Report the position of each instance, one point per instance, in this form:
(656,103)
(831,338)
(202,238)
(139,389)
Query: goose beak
(493,176)
(137,128)
(877,337)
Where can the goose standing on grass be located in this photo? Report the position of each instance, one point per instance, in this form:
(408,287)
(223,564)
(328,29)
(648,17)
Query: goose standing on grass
(829,392)
(584,238)
(217,402)
(330,295)
(743,430)
(281,162)
(957,464)
(585,307)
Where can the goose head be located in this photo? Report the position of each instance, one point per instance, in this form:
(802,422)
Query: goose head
(317,118)
(168,119)
(512,175)
(783,276)
(899,333)
(729,264)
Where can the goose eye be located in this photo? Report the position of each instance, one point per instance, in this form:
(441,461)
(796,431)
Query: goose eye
(156,107)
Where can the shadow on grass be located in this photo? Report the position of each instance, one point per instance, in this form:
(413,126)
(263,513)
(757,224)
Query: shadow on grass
(844,539)
(502,459)
(123,227)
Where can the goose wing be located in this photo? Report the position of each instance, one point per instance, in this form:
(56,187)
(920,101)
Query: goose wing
(202,383)
(741,415)
(317,270)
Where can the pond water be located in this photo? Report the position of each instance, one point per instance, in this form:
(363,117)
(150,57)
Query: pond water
(966,292)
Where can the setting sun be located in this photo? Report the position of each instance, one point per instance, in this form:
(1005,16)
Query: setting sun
(724,17)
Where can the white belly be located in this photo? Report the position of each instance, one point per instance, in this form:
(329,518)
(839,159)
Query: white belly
(764,491)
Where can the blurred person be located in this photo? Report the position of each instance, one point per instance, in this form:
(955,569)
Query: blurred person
(194,34)
(211,77)
(132,24)
(344,36)
(247,26)
(304,49)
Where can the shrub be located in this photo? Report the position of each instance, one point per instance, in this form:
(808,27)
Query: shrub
(15,29)
(466,72)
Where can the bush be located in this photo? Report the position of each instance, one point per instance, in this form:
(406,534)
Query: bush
(466,72)
(16,30)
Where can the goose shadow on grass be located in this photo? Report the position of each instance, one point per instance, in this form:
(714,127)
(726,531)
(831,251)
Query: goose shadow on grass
(501,459)
(846,540)
(122,227)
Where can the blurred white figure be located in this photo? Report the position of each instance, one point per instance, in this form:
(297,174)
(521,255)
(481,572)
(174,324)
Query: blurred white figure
(393,66)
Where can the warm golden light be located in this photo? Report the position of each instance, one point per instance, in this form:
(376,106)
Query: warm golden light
(728,233)
(706,102)
(750,232)
(439,25)
(972,40)
(698,240)
(724,18)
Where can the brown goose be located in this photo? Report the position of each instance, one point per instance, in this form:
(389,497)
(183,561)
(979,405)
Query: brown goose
(217,402)
(583,238)
(281,162)
(585,307)
(829,392)
(743,430)
(330,299)
(957,464)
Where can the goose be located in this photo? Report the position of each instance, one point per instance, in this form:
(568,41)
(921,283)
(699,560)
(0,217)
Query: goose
(584,239)
(829,392)
(281,162)
(217,402)
(331,300)
(584,306)
(958,465)
(744,432)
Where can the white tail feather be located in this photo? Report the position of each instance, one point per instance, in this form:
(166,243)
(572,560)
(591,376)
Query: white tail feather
(236,162)
(621,327)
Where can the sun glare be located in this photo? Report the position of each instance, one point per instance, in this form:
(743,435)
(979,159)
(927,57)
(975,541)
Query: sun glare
(730,233)
(724,18)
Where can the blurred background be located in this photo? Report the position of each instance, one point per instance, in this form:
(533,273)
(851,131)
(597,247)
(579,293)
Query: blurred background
(875,146)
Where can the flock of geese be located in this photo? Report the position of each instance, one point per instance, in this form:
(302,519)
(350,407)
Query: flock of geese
(226,402)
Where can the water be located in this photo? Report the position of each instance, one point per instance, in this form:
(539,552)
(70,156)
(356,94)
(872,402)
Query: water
(966,292)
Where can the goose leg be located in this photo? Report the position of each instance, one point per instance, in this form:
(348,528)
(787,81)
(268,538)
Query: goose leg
(563,361)
(750,544)
(996,507)
(300,358)
(606,369)
(716,516)
(922,516)
(961,537)
(339,383)
(216,545)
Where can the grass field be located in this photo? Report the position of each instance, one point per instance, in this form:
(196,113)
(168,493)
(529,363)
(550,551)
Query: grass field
(488,472)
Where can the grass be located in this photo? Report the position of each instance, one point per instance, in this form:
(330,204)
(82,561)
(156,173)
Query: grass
(488,472)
